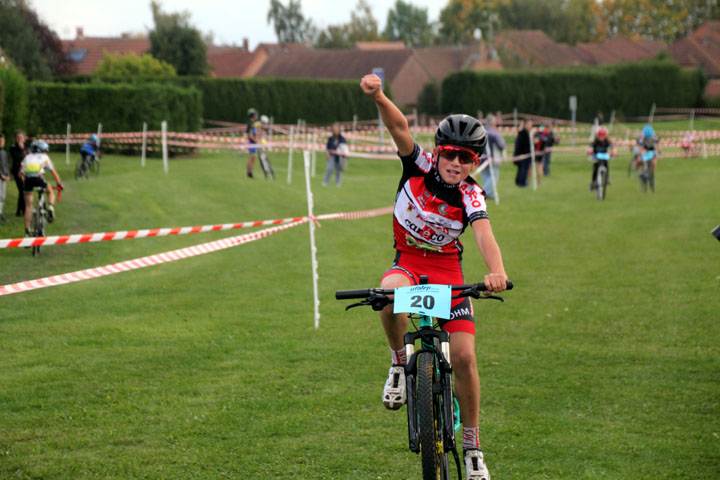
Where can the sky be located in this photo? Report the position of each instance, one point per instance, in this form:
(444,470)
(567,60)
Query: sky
(229,20)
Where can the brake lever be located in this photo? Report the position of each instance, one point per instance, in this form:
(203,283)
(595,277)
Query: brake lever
(472,292)
(376,302)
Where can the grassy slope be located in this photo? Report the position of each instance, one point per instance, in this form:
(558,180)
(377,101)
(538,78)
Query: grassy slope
(603,363)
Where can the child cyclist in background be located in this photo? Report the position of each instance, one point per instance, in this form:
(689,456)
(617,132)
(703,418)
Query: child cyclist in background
(90,151)
(436,200)
(601,144)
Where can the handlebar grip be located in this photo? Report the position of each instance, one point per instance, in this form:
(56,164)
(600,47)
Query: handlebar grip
(347,294)
(509,285)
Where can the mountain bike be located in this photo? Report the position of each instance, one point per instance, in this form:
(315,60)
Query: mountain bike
(646,171)
(432,409)
(266,165)
(39,216)
(86,166)
(601,177)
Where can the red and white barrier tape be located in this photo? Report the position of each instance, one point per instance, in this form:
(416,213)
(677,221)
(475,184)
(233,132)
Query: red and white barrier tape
(176,254)
(142,262)
(122,235)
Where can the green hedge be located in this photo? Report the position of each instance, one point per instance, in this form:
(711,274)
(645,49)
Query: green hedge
(285,99)
(120,107)
(14,111)
(630,89)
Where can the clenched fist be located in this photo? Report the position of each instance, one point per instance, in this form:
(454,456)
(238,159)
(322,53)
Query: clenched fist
(371,85)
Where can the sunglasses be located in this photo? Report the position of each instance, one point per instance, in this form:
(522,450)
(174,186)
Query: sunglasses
(464,155)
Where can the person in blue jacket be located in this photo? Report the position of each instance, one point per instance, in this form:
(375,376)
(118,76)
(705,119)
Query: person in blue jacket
(89,150)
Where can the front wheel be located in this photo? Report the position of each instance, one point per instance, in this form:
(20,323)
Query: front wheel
(38,229)
(601,183)
(95,167)
(430,421)
(79,169)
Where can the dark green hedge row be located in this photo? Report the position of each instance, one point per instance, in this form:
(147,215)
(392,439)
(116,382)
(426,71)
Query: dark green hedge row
(14,111)
(120,107)
(285,99)
(629,89)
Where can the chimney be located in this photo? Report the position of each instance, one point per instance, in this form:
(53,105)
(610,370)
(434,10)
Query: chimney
(79,33)
(246,44)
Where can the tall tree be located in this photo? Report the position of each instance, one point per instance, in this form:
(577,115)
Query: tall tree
(289,22)
(460,18)
(34,49)
(176,42)
(362,27)
(408,23)
(651,19)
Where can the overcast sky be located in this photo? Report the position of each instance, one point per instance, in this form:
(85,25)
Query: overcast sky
(229,20)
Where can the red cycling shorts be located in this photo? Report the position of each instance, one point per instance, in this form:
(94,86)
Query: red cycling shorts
(441,271)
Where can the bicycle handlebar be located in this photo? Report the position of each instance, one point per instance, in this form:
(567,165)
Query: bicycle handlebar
(350,294)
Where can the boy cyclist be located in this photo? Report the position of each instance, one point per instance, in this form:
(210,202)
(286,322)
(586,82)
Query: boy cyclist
(90,151)
(436,200)
(600,145)
(32,171)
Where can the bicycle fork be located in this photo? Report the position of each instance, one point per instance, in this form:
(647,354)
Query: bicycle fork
(442,387)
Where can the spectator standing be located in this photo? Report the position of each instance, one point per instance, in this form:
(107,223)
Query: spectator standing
(523,145)
(494,149)
(18,151)
(4,175)
(539,143)
(254,133)
(332,153)
(550,141)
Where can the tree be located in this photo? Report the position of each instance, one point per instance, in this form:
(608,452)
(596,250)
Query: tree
(34,49)
(289,22)
(176,42)
(408,23)
(651,19)
(130,66)
(460,18)
(362,27)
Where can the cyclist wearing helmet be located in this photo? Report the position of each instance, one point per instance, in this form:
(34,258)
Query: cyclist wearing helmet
(32,171)
(436,200)
(254,133)
(648,142)
(90,150)
(601,144)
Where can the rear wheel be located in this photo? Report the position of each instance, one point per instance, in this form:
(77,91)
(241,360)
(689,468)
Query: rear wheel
(651,177)
(38,229)
(430,422)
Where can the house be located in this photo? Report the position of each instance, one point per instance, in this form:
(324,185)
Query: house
(407,70)
(534,48)
(701,48)
(86,52)
(620,49)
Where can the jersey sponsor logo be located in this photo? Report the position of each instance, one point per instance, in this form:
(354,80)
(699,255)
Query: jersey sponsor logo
(442,208)
(460,312)
(425,232)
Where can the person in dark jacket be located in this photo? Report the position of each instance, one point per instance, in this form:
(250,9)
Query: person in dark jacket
(523,146)
(4,175)
(18,150)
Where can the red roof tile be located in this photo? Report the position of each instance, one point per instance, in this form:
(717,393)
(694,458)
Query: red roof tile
(533,48)
(700,48)
(95,46)
(230,61)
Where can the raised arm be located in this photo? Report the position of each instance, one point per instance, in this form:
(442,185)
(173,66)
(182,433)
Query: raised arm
(391,115)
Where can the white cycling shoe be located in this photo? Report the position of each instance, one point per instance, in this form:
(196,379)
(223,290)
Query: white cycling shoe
(395,393)
(475,468)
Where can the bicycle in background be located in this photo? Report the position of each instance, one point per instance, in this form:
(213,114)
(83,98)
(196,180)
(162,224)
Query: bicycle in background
(601,178)
(432,409)
(87,165)
(40,215)
(646,171)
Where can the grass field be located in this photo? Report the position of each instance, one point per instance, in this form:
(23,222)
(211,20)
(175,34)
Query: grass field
(603,363)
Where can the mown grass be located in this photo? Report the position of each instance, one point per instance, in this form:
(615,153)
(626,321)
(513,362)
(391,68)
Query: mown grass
(602,364)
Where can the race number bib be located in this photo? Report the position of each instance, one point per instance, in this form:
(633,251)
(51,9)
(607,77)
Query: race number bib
(431,300)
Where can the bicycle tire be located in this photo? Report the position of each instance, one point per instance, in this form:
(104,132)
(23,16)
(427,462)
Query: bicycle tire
(79,169)
(434,461)
(651,178)
(600,181)
(95,168)
(38,229)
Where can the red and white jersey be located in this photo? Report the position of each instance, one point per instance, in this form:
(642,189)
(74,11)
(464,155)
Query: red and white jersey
(430,214)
